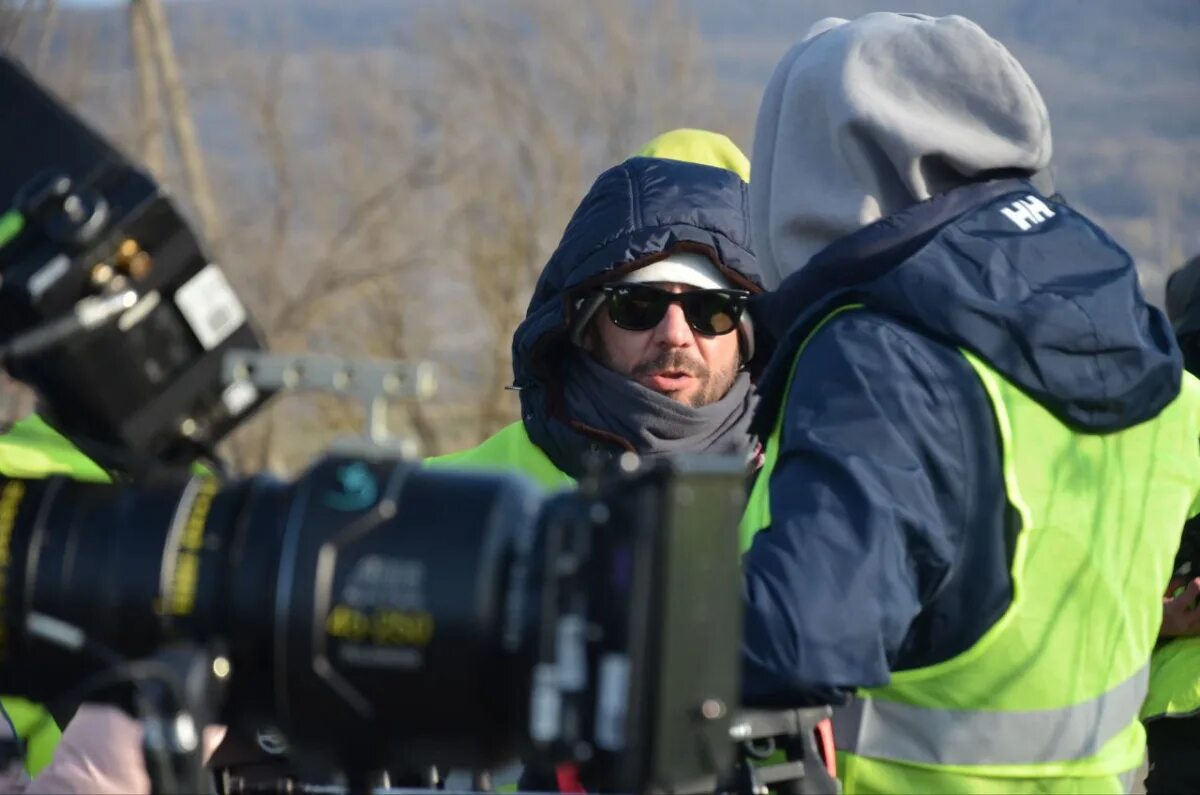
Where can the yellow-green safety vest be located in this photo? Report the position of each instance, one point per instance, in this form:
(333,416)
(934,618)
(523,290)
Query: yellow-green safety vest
(1174,680)
(32,449)
(1047,700)
(508,450)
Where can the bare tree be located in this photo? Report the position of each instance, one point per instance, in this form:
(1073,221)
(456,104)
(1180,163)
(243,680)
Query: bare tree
(13,16)
(401,202)
(556,94)
(337,228)
(154,19)
(150,122)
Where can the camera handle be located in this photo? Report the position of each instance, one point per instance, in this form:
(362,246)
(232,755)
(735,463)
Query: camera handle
(175,693)
(794,731)
(174,709)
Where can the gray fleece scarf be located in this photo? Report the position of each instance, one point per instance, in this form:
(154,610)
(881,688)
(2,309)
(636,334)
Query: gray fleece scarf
(654,424)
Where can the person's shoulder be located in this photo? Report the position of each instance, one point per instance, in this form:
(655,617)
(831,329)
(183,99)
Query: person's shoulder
(508,450)
(862,360)
(1037,235)
(499,448)
(864,338)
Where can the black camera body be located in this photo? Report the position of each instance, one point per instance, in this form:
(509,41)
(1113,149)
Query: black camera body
(106,292)
(386,616)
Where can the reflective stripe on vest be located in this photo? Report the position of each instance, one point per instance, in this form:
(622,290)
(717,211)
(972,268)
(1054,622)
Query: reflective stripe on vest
(906,733)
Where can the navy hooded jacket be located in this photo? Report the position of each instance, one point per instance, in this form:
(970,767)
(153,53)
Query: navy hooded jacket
(635,213)
(891,539)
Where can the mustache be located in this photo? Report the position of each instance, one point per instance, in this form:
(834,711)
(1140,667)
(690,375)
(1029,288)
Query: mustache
(672,360)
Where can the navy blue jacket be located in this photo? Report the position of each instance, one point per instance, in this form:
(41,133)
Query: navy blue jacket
(636,212)
(891,539)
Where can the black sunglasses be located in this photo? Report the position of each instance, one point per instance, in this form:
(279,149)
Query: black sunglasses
(639,307)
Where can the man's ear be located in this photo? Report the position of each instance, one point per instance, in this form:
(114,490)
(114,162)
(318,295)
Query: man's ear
(593,344)
(590,340)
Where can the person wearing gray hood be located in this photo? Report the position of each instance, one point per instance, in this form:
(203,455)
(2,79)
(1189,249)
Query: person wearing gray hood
(980,445)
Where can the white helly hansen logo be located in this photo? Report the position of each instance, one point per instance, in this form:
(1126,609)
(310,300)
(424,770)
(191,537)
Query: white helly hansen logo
(1028,212)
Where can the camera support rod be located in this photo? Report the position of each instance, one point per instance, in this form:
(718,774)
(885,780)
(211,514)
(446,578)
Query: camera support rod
(374,382)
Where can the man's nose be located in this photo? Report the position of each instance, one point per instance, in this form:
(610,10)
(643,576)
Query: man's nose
(673,330)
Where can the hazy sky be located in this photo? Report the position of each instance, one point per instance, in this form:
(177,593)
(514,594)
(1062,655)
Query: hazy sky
(94,2)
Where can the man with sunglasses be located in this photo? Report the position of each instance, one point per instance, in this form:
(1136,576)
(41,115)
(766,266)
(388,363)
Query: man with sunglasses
(979,447)
(689,354)
(636,338)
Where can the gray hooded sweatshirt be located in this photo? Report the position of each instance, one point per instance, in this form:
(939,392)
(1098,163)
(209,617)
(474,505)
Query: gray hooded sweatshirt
(846,136)
(889,172)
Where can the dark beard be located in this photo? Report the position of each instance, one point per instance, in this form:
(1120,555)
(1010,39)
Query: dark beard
(713,385)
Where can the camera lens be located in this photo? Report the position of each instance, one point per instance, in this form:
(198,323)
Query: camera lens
(365,607)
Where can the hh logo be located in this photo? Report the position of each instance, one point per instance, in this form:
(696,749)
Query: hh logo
(1027,213)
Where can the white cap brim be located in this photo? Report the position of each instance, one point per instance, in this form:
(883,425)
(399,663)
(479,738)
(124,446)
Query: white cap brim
(694,270)
(685,267)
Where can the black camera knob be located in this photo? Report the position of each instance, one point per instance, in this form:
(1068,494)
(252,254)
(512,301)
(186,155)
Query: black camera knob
(67,215)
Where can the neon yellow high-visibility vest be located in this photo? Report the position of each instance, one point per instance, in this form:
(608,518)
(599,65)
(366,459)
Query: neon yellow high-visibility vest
(508,450)
(32,449)
(1047,700)
(1174,680)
